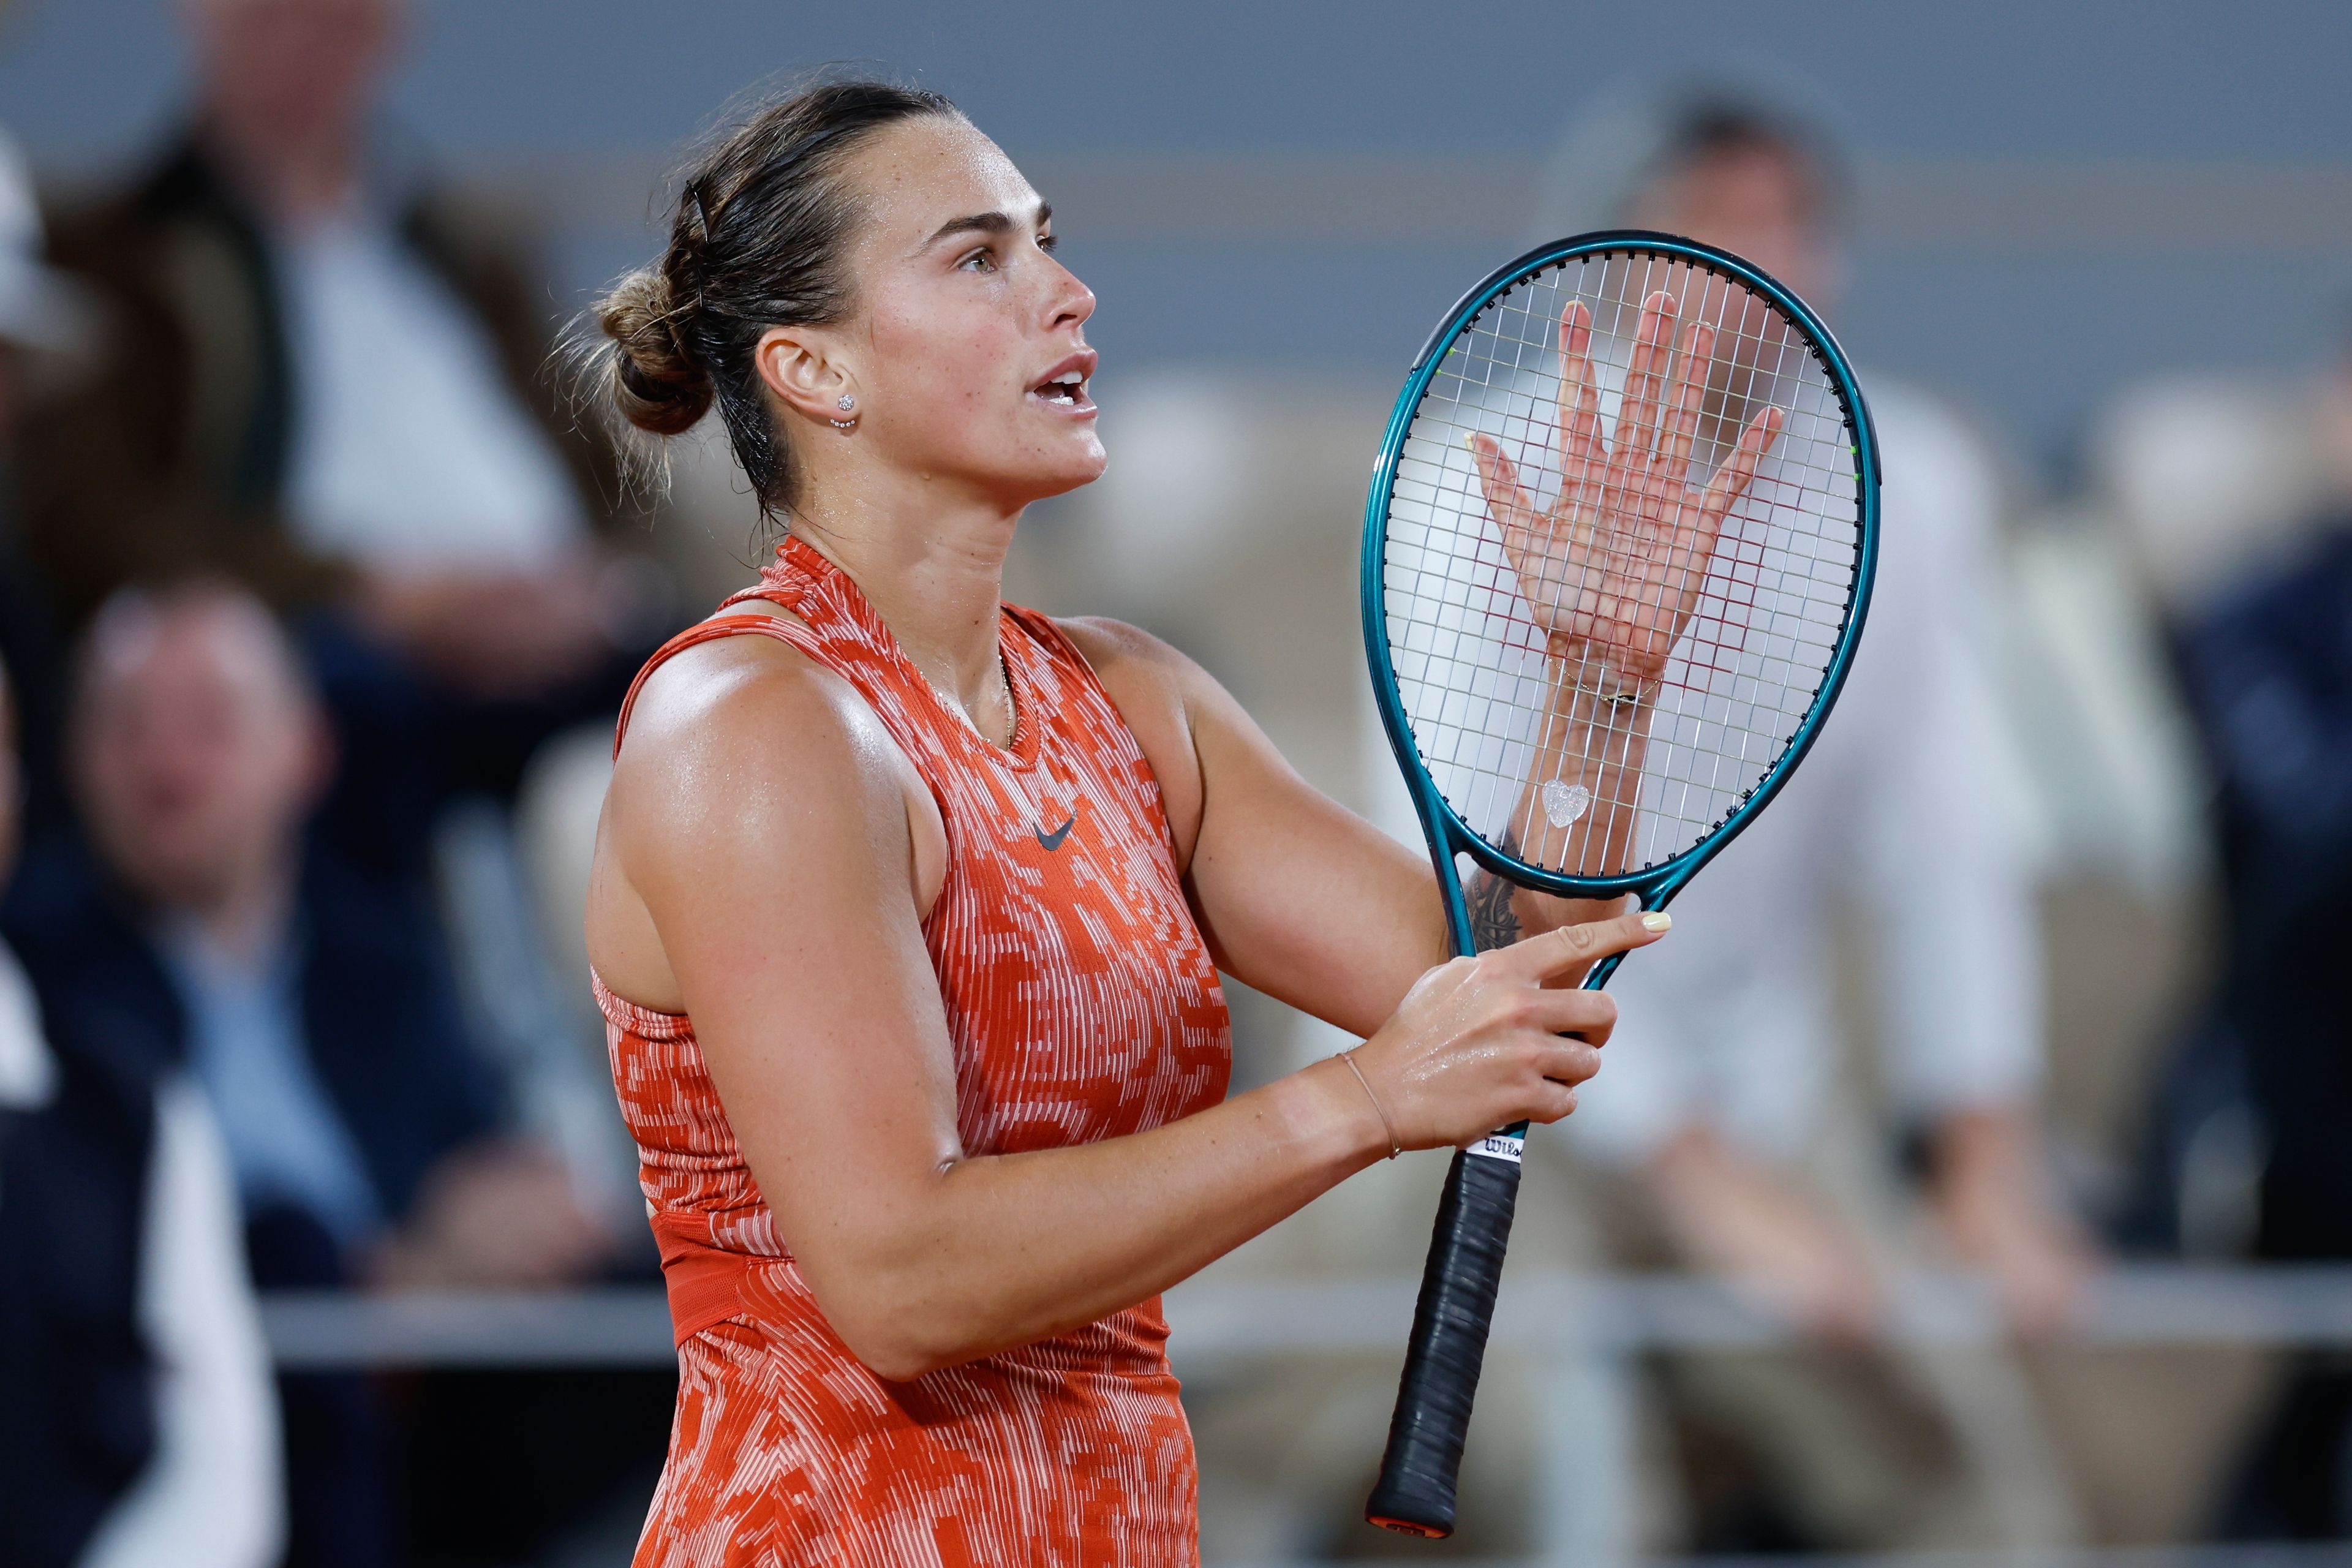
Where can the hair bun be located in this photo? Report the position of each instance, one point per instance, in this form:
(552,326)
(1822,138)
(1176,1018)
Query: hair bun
(657,383)
(761,237)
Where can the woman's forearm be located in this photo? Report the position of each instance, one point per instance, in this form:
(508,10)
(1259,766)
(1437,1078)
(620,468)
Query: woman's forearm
(977,1255)
(1005,1249)
(1576,813)
(1579,808)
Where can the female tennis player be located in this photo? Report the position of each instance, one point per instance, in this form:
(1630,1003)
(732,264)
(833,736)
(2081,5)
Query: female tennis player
(908,905)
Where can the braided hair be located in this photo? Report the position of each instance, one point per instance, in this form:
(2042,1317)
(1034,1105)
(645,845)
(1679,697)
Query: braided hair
(758,240)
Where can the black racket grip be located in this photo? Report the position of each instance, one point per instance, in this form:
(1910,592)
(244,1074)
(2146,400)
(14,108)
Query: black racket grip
(1415,1494)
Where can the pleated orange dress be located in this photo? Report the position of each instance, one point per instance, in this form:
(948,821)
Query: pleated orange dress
(1083,1004)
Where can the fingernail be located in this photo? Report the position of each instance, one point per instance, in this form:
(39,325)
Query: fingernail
(1659,921)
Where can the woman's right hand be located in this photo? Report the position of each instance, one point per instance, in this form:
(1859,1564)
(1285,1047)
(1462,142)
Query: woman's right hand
(1480,1043)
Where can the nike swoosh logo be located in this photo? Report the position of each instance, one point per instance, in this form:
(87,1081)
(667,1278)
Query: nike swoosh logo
(1054,840)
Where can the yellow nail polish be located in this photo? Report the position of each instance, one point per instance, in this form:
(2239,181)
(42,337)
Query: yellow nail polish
(1658,921)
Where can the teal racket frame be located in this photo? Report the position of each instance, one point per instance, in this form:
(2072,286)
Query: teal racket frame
(1447,834)
(1416,1489)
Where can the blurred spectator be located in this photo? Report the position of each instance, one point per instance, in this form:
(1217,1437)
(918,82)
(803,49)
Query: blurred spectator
(312,1003)
(330,383)
(2268,669)
(137,1428)
(48,331)
(1723,1094)
(136,1423)
(316,1008)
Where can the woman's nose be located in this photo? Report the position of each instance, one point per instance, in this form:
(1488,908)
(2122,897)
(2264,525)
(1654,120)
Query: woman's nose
(1072,301)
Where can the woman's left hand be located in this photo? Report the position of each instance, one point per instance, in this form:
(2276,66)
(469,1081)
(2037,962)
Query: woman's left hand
(1613,567)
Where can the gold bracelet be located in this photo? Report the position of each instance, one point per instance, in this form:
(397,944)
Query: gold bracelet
(1607,689)
(1626,696)
(1348,1056)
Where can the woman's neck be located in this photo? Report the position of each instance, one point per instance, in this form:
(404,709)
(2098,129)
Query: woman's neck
(934,573)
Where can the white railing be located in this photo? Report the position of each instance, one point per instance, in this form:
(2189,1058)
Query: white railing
(1581,1334)
(1540,1311)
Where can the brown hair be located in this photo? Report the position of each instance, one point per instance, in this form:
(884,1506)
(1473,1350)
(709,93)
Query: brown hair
(762,220)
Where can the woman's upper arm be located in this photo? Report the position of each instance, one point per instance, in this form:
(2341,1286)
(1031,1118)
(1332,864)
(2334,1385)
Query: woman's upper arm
(759,811)
(1296,895)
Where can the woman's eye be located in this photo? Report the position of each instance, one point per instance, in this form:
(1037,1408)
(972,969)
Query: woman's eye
(978,261)
(1049,243)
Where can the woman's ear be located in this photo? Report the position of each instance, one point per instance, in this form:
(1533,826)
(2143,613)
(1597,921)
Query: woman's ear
(798,368)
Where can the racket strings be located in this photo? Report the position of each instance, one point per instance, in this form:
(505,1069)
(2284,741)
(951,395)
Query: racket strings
(1476,665)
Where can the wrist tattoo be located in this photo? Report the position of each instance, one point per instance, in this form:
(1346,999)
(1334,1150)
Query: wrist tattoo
(1493,922)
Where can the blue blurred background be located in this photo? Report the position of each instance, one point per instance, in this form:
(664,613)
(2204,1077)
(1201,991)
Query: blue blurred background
(2021,1247)
(2055,199)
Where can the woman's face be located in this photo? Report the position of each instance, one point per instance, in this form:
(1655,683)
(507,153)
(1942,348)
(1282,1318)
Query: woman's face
(967,345)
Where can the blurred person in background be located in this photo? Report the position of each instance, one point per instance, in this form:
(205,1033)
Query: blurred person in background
(1722,1099)
(48,333)
(329,384)
(311,1001)
(2267,666)
(137,1425)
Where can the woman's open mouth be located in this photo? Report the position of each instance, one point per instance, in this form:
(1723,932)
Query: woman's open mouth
(1065,386)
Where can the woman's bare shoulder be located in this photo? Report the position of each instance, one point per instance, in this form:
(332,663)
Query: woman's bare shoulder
(706,694)
(744,726)
(745,762)
(1128,656)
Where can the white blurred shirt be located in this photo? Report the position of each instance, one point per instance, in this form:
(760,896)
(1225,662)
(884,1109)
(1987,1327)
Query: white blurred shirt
(1901,809)
(411,453)
(27,1075)
(212,1495)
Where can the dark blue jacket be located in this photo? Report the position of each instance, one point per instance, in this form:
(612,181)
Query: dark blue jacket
(2269,677)
(381,1011)
(77,1419)
(379,1004)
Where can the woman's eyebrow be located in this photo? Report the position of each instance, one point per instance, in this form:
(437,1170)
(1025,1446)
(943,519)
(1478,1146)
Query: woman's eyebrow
(987,223)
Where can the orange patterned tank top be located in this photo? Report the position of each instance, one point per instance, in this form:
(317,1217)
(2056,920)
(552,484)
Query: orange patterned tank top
(1083,1004)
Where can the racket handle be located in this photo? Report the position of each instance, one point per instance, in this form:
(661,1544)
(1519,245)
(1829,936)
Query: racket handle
(1415,1494)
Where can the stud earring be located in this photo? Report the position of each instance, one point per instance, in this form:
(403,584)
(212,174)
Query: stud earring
(846,405)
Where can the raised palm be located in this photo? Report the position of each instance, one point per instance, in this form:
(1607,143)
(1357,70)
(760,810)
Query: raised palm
(1612,569)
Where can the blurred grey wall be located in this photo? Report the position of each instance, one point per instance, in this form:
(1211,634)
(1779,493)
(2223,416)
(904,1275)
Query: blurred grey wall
(2056,198)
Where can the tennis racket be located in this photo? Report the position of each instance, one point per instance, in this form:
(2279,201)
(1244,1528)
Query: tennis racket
(1616,559)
